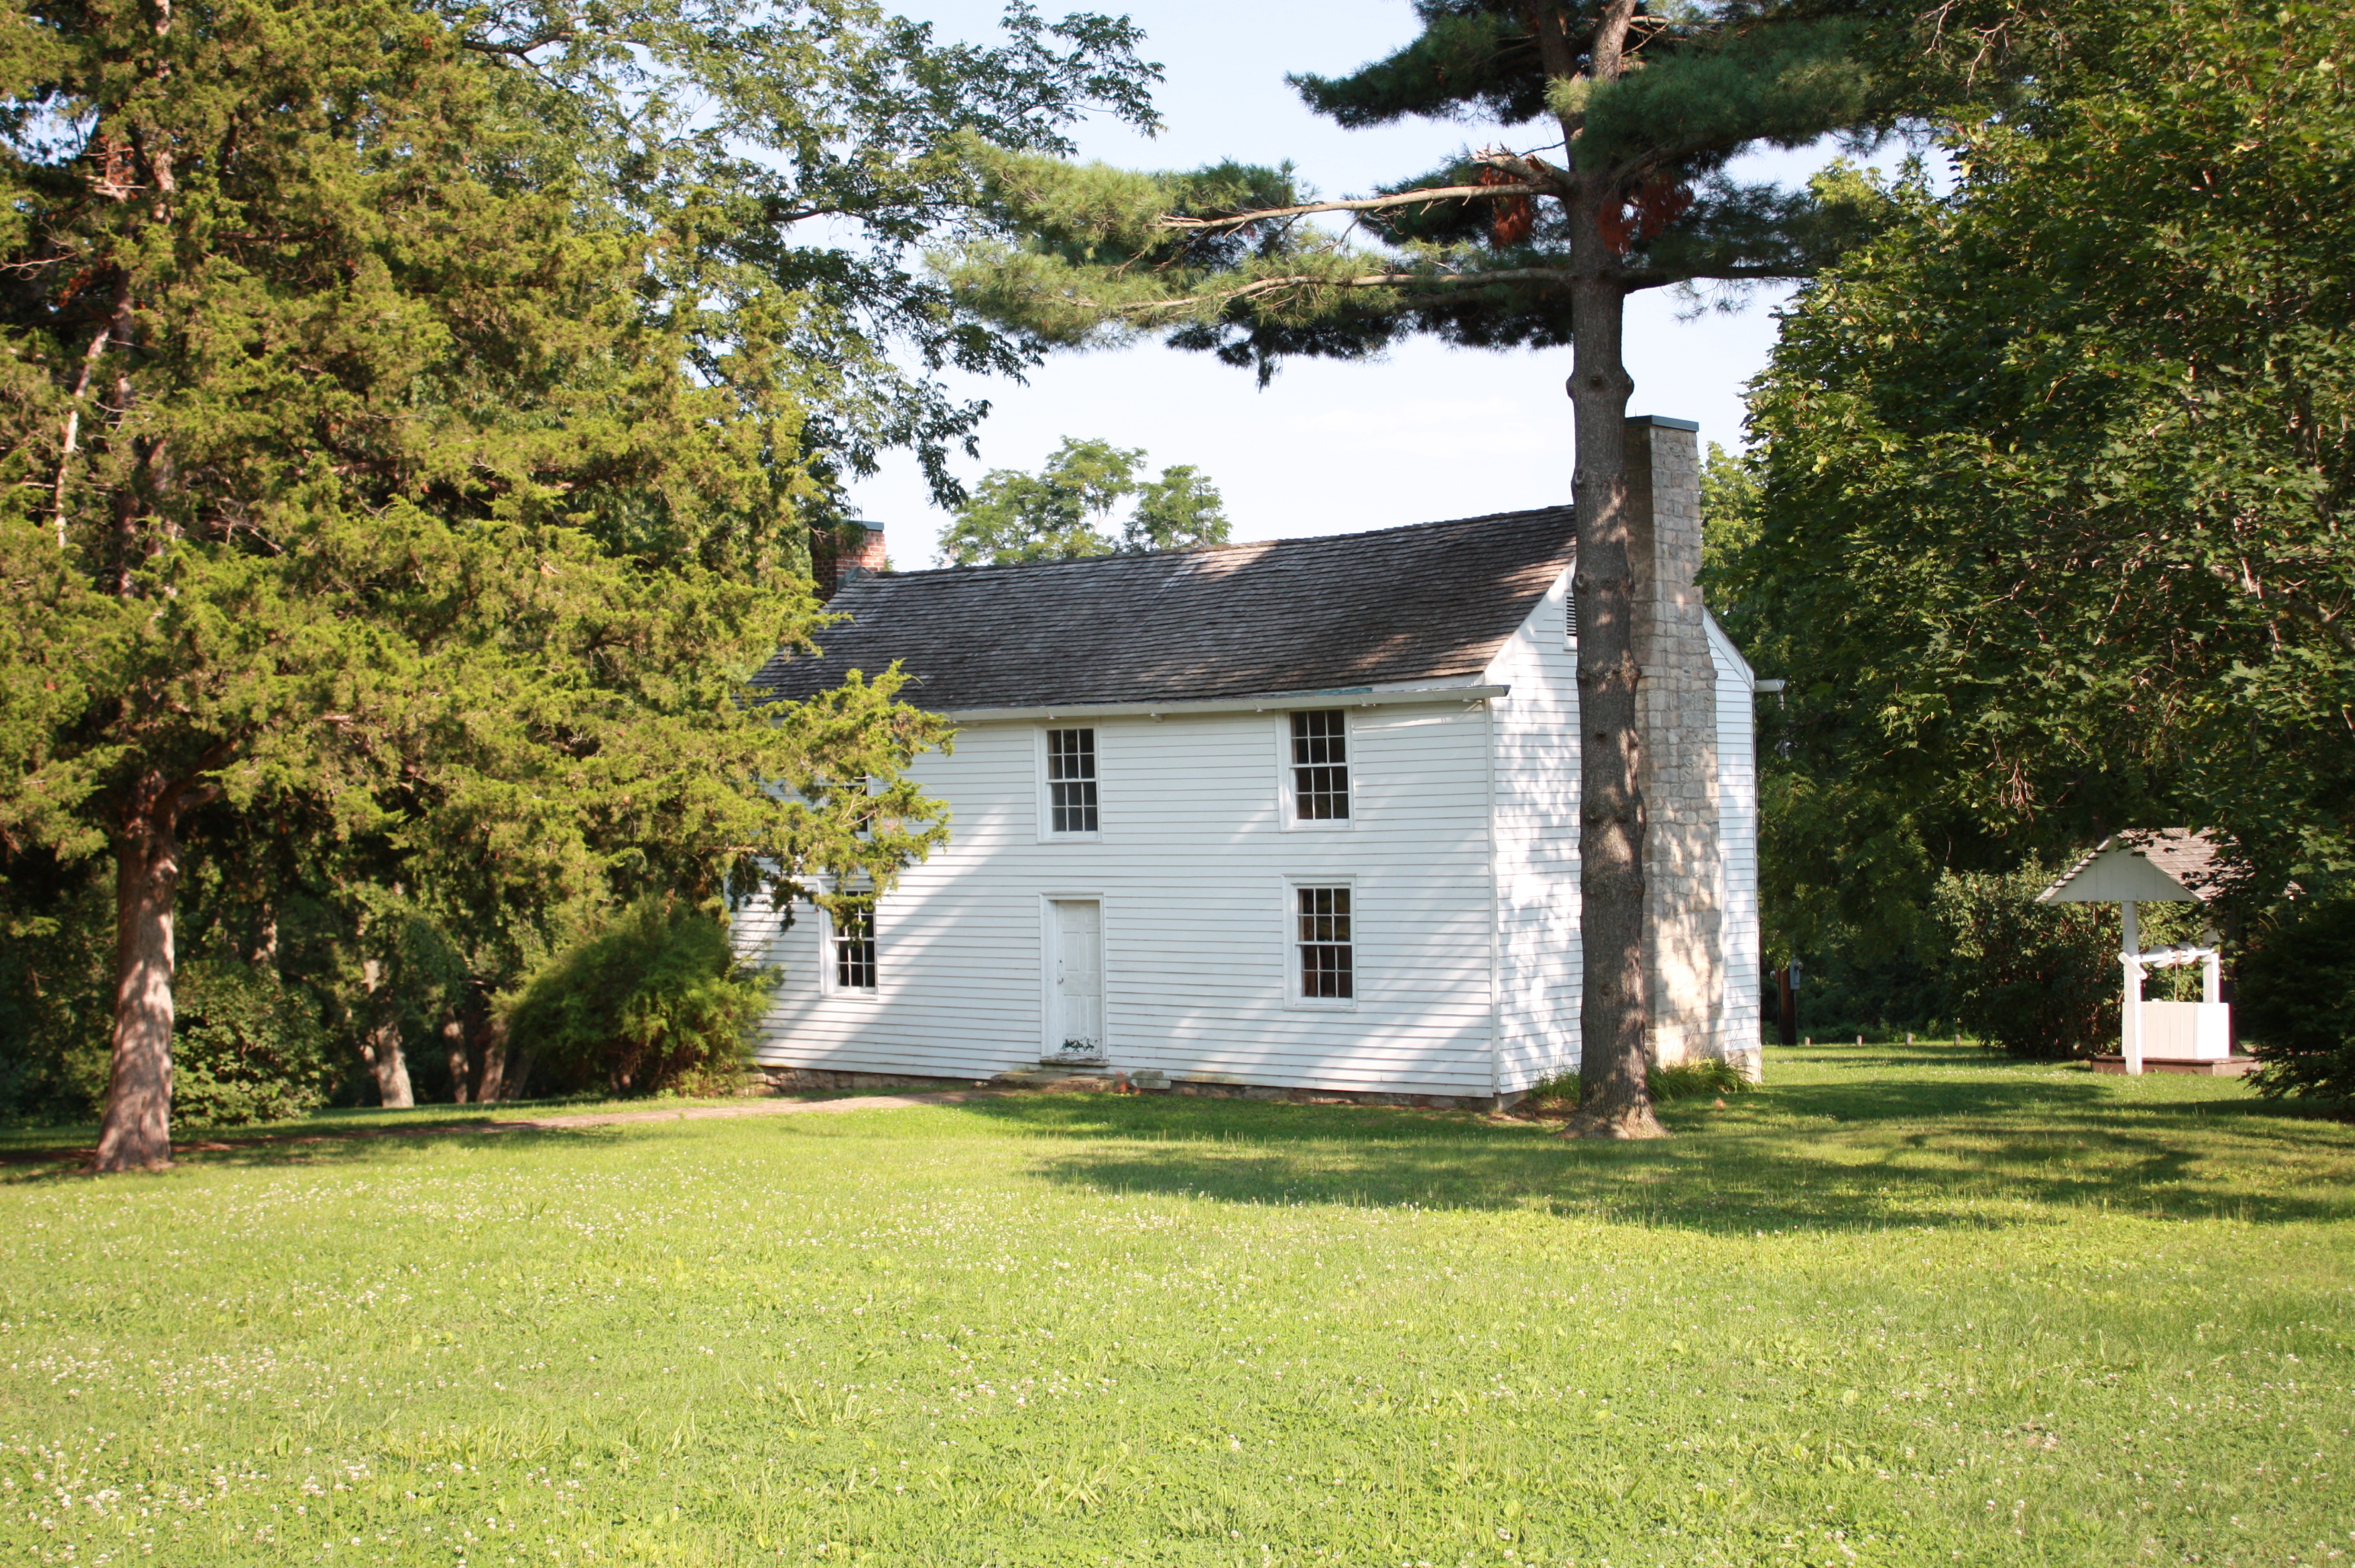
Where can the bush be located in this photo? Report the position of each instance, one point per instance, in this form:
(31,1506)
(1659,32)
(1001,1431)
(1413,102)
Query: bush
(656,1001)
(1707,1077)
(2296,990)
(57,972)
(1704,1077)
(2040,980)
(245,1046)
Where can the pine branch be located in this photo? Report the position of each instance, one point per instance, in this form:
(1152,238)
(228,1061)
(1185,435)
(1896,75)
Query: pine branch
(1544,276)
(1372,204)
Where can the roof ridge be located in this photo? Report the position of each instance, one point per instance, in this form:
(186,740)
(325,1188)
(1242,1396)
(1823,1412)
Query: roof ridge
(1214,549)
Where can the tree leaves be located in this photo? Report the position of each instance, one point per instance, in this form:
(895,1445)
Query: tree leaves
(1055,513)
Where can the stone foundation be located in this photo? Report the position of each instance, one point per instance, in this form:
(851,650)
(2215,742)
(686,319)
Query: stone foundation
(809,1079)
(805,1080)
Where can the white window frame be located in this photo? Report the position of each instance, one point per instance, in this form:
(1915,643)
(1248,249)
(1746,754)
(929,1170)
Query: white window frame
(1288,793)
(1289,928)
(1046,808)
(829,980)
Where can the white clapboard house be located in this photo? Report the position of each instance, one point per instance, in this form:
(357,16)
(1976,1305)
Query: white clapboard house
(1292,815)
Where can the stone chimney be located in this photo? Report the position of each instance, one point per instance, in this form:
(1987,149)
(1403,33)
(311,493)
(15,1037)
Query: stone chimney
(1684,887)
(843,554)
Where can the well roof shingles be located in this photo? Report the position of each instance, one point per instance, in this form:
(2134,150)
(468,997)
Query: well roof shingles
(1430,603)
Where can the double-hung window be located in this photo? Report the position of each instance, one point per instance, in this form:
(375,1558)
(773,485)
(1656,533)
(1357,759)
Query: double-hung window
(851,935)
(1320,766)
(1326,946)
(1071,781)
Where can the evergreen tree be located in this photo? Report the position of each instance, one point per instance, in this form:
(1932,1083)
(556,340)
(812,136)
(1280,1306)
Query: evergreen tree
(1497,248)
(337,386)
(1057,513)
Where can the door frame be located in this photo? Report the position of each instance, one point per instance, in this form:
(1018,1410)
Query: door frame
(1049,942)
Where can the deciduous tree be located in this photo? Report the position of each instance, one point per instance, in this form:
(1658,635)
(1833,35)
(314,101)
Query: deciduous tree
(2056,468)
(1059,513)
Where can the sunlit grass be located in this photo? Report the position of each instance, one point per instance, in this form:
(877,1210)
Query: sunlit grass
(1902,1306)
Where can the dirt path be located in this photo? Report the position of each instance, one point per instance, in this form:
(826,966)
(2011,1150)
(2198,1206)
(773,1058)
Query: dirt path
(538,1124)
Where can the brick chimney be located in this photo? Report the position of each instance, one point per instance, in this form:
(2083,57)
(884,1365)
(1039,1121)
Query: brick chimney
(845,553)
(1684,895)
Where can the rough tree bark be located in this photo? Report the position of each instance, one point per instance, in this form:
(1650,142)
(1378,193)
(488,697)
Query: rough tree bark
(381,1044)
(137,1132)
(454,1049)
(1614,1099)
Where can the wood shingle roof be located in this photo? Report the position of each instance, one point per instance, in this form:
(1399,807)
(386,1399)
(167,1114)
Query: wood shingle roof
(1429,604)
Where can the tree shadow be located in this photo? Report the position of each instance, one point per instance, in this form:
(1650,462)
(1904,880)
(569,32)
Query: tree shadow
(1863,1155)
(20,1167)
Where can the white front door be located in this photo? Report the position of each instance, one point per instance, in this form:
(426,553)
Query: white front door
(1076,980)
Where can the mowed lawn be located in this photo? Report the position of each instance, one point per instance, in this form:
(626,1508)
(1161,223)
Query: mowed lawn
(1903,1306)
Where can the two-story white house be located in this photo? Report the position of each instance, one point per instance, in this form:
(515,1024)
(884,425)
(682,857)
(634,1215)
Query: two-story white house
(1298,815)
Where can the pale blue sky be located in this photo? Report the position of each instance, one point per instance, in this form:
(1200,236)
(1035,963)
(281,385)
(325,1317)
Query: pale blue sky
(1429,433)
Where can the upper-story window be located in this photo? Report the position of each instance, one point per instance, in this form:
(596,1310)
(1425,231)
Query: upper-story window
(1072,780)
(1320,766)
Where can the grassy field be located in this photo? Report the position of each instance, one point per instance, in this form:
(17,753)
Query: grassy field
(1907,1305)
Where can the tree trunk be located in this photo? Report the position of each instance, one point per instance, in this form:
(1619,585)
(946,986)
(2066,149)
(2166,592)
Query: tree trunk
(1615,1096)
(137,1132)
(1614,1100)
(380,1046)
(453,1046)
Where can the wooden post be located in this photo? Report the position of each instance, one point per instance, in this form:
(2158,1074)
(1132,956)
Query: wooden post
(2130,1017)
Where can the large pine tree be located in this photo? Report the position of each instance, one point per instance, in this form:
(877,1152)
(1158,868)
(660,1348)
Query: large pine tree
(1503,246)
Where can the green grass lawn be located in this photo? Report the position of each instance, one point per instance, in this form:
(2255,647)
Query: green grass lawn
(1906,1304)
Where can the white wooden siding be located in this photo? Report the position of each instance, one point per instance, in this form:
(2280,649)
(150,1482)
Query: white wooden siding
(1737,830)
(1537,847)
(1193,872)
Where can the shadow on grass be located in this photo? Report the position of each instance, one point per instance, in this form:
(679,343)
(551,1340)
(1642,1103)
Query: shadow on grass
(1868,1154)
(211,1151)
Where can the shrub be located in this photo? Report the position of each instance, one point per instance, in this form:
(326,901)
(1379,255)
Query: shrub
(1704,1077)
(1687,1081)
(2040,980)
(1560,1092)
(56,969)
(2296,998)
(245,1046)
(654,1001)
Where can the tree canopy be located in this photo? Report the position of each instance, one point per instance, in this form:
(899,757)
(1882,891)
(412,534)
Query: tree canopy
(2051,538)
(1061,512)
(414,422)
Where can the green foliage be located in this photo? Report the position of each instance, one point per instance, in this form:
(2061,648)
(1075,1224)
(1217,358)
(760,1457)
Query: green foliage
(2295,1002)
(404,492)
(1106,255)
(2040,980)
(2055,467)
(1730,502)
(1560,1092)
(654,1001)
(1057,513)
(57,992)
(1703,1078)
(245,1046)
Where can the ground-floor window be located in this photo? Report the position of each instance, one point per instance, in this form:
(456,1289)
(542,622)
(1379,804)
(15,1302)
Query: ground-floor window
(854,950)
(1327,950)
